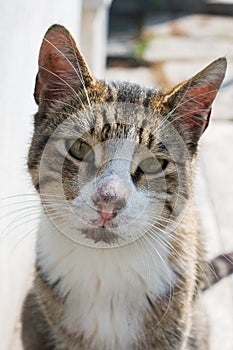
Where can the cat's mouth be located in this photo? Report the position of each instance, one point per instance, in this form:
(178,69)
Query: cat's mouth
(99,234)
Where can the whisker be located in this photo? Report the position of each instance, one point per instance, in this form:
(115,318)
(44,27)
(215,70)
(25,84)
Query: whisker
(19,222)
(79,74)
(33,230)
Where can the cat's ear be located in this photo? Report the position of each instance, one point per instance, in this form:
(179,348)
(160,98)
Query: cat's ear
(190,102)
(62,68)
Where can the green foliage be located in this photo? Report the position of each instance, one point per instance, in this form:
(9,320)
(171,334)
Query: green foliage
(142,45)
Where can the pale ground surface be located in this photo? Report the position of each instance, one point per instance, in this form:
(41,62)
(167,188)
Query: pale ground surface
(184,47)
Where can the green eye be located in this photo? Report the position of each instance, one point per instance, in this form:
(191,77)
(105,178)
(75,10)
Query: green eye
(152,165)
(81,151)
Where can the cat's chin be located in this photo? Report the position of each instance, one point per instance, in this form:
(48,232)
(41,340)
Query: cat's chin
(98,237)
(99,234)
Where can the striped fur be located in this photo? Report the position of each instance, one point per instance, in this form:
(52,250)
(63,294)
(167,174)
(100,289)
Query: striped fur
(120,256)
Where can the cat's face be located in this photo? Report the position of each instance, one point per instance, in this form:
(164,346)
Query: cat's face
(113,161)
(116,180)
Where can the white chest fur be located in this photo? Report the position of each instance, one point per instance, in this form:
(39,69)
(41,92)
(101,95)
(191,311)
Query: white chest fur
(107,287)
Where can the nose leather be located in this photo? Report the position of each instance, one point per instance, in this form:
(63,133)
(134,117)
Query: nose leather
(109,199)
(107,193)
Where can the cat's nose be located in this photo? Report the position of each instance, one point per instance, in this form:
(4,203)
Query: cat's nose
(107,194)
(107,211)
(109,199)
(109,202)
(111,190)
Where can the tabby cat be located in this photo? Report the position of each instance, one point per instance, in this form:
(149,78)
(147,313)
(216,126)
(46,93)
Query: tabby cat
(120,257)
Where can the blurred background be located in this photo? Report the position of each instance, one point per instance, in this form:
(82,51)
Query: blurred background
(152,42)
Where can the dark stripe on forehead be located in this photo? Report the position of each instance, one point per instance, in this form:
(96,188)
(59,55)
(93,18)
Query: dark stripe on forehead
(110,95)
(116,114)
(145,133)
(140,132)
(105,132)
(146,101)
(121,96)
(151,140)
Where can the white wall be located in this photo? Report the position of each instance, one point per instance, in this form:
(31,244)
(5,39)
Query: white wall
(22,26)
(94,27)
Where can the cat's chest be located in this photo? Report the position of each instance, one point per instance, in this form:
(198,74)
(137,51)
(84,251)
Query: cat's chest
(106,289)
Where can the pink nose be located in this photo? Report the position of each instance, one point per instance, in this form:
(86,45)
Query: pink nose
(109,199)
(106,215)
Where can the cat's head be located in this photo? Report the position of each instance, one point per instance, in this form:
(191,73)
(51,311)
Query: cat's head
(113,161)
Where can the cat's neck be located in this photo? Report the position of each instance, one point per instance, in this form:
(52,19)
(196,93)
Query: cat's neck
(109,282)
(55,251)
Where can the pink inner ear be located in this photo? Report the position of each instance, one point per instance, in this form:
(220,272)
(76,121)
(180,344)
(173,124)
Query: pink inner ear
(191,100)
(195,106)
(199,100)
(62,68)
(56,74)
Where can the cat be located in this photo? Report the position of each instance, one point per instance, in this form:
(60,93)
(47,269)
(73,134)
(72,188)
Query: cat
(120,259)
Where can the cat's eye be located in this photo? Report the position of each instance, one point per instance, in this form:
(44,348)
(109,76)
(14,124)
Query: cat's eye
(81,151)
(152,165)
